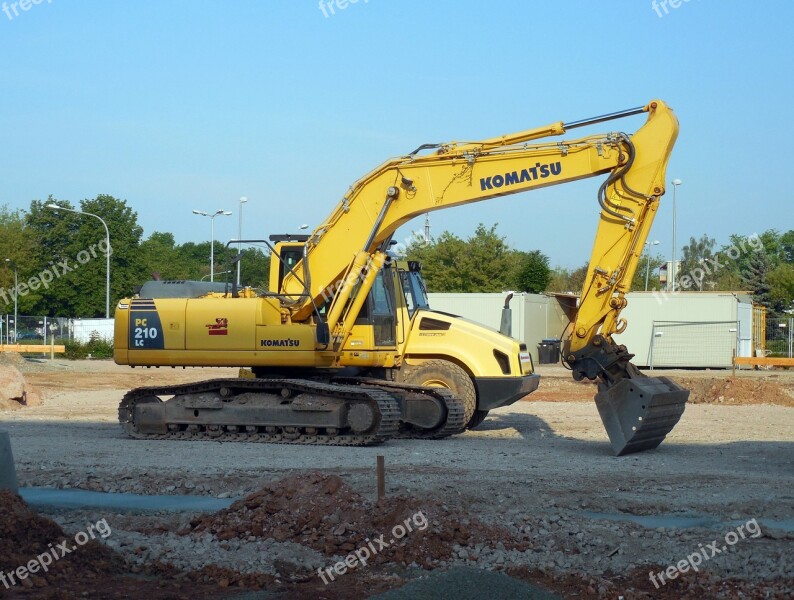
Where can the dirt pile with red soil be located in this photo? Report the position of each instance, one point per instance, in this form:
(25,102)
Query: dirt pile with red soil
(704,390)
(735,390)
(322,512)
(26,536)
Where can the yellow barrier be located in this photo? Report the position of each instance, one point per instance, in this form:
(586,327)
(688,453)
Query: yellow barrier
(33,348)
(763,361)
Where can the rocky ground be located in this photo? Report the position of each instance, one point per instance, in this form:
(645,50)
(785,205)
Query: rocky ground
(533,493)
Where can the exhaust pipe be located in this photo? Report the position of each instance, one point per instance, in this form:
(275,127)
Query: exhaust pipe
(506,326)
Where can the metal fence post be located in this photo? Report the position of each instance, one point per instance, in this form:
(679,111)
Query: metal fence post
(791,338)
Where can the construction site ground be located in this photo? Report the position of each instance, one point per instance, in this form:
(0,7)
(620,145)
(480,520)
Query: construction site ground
(532,496)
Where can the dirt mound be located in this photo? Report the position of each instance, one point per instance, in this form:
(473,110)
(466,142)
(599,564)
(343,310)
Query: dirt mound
(11,358)
(14,390)
(321,512)
(26,536)
(736,390)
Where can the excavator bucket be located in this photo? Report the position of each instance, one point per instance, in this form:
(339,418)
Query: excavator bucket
(639,413)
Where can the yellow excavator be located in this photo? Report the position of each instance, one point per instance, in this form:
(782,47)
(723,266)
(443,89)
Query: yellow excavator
(344,348)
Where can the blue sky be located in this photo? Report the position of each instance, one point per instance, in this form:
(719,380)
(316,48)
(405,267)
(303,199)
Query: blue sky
(181,105)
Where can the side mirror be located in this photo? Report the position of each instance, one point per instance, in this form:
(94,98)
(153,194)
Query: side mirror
(323,334)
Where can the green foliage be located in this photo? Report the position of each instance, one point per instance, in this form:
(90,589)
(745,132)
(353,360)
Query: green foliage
(96,348)
(565,281)
(781,287)
(162,257)
(697,255)
(754,278)
(482,263)
(761,264)
(40,240)
(68,250)
(648,267)
(533,274)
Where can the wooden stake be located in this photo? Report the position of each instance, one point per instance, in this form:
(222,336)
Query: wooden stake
(381,478)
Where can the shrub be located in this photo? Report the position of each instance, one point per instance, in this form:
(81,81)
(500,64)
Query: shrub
(96,348)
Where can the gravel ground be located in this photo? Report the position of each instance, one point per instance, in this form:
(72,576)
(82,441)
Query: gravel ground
(541,469)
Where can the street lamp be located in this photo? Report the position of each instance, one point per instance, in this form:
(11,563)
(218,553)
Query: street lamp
(648,261)
(16,297)
(243,200)
(202,213)
(54,206)
(676,183)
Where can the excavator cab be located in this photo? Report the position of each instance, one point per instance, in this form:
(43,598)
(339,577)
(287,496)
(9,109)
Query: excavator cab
(287,254)
(413,286)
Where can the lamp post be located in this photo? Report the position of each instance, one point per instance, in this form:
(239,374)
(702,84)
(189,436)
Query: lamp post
(648,262)
(202,213)
(243,200)
(676,183)
(16,297)
(54,206)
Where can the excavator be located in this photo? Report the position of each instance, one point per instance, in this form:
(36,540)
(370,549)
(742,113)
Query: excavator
(343,348)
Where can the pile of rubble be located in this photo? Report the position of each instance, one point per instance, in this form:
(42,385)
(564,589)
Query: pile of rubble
(27,538)
(321,512)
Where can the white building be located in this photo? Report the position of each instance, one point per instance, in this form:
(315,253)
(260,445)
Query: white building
(665,329)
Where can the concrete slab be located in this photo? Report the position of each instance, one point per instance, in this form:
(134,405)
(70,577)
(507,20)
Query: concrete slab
(8,472)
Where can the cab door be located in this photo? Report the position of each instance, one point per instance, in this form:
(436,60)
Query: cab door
(384,311)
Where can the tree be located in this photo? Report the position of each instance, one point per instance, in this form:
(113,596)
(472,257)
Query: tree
(488,262)
(17,244)
(125,265)
(70,250)
(53,258)
(787,246)
(648,265)
(160,257)
(533,274)
(564,281)
(781,288)
(697,256)
(482,263)
(754,278)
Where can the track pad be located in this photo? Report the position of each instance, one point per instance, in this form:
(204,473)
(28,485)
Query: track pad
(639,413)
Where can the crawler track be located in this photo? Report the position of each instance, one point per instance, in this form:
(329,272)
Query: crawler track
(380,401)
(455,422)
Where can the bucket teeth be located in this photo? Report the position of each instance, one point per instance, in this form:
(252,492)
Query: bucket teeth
(639,413)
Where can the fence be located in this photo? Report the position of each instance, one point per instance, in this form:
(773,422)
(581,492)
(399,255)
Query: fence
(693,344)
(39,330)
(779,338)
